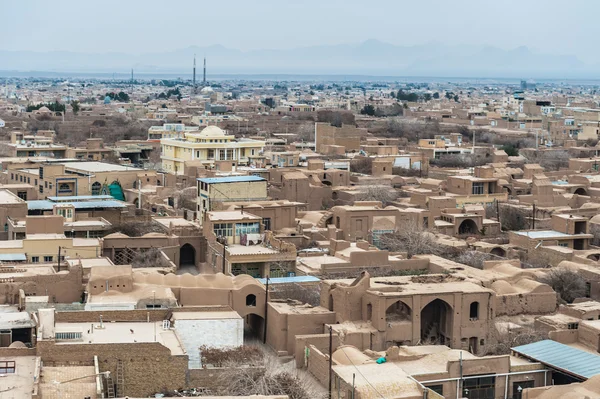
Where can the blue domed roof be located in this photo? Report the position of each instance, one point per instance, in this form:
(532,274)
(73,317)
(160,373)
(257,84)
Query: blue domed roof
(107,100)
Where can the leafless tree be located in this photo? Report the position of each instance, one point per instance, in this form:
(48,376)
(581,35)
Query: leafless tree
(138,229)
(186,198)
(514,218)
(362,165)
(567,283)
(385,194)
(501,342)
(306,294)
(152,257)
(412,239)
(474,258)
(268,377)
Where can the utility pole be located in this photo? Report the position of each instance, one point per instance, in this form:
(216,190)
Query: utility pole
(224,249)
(58,259)
(194,77)
(330,360)
(533,218)
(266,311)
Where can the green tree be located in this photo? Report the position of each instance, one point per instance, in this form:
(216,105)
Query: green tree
(510,150)
(75,106)
(436,95)
(368,110)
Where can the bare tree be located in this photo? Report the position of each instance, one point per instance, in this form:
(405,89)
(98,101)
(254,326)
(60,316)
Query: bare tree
(385,194)
(152,257)
(362,165)
(501,342)
(513,218)
(412,239)
(474,258)
(567,283)
(186,198)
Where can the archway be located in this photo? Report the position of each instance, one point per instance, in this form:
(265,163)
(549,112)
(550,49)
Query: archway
(398,311)
(468,226)
(436,323)
(330,305)
(254,327)
(187,255)
(581,191)
(498,252)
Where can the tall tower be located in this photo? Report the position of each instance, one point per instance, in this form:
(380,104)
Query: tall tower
(204,76)
(194,76)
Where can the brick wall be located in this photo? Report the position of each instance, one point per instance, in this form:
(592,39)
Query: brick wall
(318,365)
(147,367)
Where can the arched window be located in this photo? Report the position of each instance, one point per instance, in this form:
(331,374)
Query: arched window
(474,311)
(96,188)
(251,300)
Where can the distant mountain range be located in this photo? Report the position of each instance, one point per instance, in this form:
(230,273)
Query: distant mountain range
(371,57)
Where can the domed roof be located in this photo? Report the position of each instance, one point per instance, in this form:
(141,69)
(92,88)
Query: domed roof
(44,109)
(212,131)
(207,89)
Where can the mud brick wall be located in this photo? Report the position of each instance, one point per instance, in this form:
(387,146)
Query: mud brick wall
(147,367)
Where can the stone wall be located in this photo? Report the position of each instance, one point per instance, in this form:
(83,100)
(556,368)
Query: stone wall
(111,315)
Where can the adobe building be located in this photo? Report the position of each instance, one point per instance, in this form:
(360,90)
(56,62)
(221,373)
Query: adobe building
(220,190)
(436,309)
(346,136)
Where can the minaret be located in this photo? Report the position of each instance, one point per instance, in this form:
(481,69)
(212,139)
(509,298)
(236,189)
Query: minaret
(204,76)
(194,76)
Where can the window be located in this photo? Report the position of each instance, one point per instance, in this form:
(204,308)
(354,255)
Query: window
(477,188)
(46,184)
(7,367)
(96,188)
(563,244)
(474,311)
(572,326)
(588,289)
(211,154)
(12,176)
(41,189)
(251,300)
(223,229)
(48,258)
(35,259)
(267,223)
(67,336)
(480,388)
(246,228)
(64,188)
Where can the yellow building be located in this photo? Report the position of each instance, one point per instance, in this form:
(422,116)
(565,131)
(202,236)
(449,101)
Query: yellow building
(44,248)
(210,145)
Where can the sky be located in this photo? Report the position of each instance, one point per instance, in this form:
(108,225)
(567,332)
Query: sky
(136,26)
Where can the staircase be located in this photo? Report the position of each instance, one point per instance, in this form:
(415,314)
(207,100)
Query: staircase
(120,379)
(430,333)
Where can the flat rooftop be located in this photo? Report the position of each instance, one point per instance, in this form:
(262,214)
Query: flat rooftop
(221,315)
(6,197)
(120,333)
(20,384)
(232,215)
(98,167)
(536,234)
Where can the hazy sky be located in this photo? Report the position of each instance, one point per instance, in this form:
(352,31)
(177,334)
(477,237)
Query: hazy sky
(137,26)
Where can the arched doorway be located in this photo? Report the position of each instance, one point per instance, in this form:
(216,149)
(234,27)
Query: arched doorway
(397,311)
(187,255)
(468,226)
(580,191)
(254,327)
(436,323)
(498,252)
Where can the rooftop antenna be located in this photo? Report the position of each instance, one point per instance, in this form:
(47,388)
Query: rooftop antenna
(194,76)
